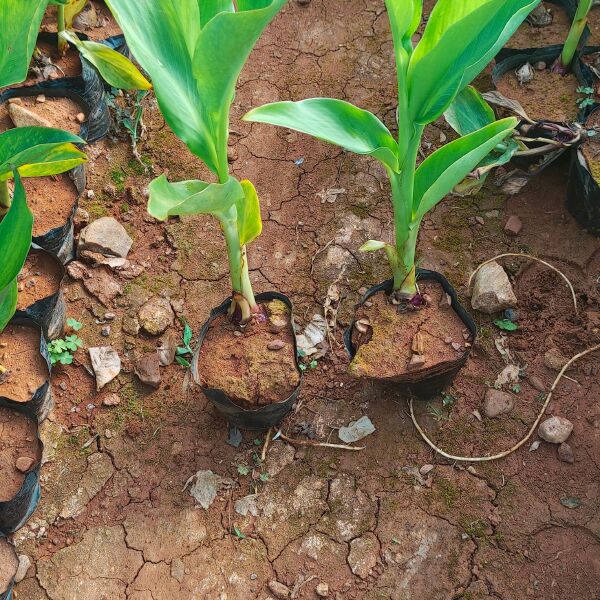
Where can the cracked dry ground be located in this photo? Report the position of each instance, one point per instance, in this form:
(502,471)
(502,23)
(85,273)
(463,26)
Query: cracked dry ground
(114,523)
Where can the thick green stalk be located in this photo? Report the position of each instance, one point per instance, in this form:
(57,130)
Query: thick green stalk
(575,33)
(4,197)
(60,26)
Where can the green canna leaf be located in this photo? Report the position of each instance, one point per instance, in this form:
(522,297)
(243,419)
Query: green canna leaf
(19,25)
(333,121)
(8,303)
(72,9)
(469,112)
(405,17)
(210,8)
(451,163)
(248,214)
(115,69)
(15,235)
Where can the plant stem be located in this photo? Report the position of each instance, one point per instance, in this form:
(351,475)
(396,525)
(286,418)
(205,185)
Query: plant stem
(4,197)
(60,26)
(577,27)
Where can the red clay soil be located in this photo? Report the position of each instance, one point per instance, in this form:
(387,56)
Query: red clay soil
(556,32)
(549,96)
(18,440)
(61,113)
(26,369)
(39,278)
(242,363)
(8,564)
(388,351)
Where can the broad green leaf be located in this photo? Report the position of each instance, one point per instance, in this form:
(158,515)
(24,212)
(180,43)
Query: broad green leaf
(222,50)
(163,37)
(192,197)
(372,246)
(8,303)
(405,17)
(115,69)
(19,25)
(209,8)
(43,159)
(333,121)
(15,235)
(248,214)
(451,163)
(72,9)
(459,41)
(14,141)
(469,112)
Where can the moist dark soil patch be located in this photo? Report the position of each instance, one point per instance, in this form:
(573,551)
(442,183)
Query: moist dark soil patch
(39,278)
(243,366)
(60,112)
(18,439)
(387,354)
(8,564)
(591,148)
(51,201)
(549,96)
(26,369)
(527,36)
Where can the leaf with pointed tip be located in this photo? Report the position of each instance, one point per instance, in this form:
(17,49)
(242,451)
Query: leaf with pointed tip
(333,121)
(115,69)
(72,9)
(404,18)
(210,8)
(248,214)
(450,164)
(372,246)
(469,112)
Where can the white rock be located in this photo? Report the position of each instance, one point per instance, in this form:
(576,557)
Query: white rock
(106,236)
(356,430)
(247,505)
(156,315)
(496,403)
(24,564)
(492,291)
(106,364)
(22,117)
(555,430)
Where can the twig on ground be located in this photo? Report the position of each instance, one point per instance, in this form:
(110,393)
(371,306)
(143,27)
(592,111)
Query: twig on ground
(263,454)
(529,433)
(299,585)
(296,442)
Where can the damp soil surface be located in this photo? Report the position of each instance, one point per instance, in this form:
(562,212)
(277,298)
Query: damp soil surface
(8,564)
(550,96)
(26,369)
(556,32)
(591,148)
(385,351)
(255,366)
(61,113)
(39,278)
(18,440)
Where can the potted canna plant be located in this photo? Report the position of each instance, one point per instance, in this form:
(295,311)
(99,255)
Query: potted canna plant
(246,358)
(401,336)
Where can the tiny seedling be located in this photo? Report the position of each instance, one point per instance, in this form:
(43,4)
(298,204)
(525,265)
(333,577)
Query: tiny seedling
(238,533)
(243,470)
(588,100)
(62,350)
(185,350)
(74,324)
(506,325)
(437,413)
(264,477)
(516,388)
(447,400)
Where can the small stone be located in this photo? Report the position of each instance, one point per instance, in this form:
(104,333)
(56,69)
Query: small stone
(63,386)
(177,569)
(80,117)
(106,236)
(276,345)
(513,226)
(554,360)
(147,369)
(511,314)
(130,325)
(492,291)
(167,349)
(232,154)
(537,383)
(456,346)
(108,434)
(156,315)
(565,453)
(279,590)
(15,101)
(91,194)
(496,403)
(363,555)
(24,463)
(112,400)
(106,364)
(277,323)
(524,73)
(445,301)
(109,316)
(81,218)
(540,65)
(105,331)
(21,117)
(41,99)
(416,361)
(110,189)
(479,220)
(322,590)
(555,430)
(24,564)
(425,469)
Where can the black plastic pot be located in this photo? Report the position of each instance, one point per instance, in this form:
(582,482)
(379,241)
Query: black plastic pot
(7,578)
(40,402)
(15,512)
(261,418)
(583,194)
(429,382)
(49,312)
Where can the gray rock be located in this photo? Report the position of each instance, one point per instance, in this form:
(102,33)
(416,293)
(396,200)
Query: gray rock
(22,117)
(24,564)
(322,590)
(156,315)
(363,555)
(565,453)
(147,368)
(496,403)
(555,430)
(554,360)
(247,506)
(279,590)
(106,236)
(130,325)
(356,430)
(513,225)
(167,349)
(280,456)
(177,569)
(492,291)
(205,485)
(106,364)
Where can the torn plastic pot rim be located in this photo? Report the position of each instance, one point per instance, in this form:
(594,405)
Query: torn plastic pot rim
(257,419)
(427,382)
